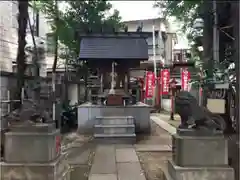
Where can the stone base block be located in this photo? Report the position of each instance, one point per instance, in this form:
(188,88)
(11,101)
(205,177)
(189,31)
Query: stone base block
(56,170)
(114,120)
(199,173)
(195,132)
(115,129)
(113,111)
(27,147)
(199,151)
(39,127)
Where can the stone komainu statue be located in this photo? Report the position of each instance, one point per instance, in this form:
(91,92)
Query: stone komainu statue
(29,113)
(194,116)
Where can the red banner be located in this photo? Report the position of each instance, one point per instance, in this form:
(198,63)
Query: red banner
(149,84)
(185,77)
(165,77)
(58,144)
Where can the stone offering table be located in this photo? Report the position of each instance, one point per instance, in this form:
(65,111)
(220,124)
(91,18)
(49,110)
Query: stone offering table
(199,156)
(33,152)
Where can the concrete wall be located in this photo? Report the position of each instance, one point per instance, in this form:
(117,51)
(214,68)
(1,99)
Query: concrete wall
(8,34)
(73,93)
(3,96)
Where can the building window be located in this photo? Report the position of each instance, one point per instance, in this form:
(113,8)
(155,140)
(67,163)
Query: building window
(50,43)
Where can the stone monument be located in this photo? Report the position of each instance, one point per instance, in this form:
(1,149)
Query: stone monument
(199,148)
(32,149)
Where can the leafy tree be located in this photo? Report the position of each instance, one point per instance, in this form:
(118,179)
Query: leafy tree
(184,11)
(79,16)
(51,11)
(188,12)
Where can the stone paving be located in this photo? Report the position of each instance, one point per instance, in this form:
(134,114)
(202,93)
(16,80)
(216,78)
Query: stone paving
(145,160)
(116,162)
(163,123)
(166,118)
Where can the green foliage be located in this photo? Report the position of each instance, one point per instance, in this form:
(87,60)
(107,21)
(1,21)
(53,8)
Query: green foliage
(78,17)
(186,12)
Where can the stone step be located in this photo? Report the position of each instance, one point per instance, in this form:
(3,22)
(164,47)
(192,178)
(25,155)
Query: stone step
(113,111)
(114,120)
(114,129)
(115,138)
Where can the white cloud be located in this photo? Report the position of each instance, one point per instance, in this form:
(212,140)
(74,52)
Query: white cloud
(134,10)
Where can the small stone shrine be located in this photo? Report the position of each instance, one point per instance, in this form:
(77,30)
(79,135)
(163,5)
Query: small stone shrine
(111,55)
(112,113)
(199,148)
(32,149)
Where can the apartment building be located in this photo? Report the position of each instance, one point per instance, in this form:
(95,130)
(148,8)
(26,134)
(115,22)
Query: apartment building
(161,27)
(9,37)
(8,34)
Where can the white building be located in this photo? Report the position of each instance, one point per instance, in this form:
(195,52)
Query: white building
(161,27)
(9,36)
(9,44)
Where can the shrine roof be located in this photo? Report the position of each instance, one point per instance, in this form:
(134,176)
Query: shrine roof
(114,46)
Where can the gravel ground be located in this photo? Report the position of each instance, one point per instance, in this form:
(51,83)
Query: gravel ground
(154,164)
(79,151)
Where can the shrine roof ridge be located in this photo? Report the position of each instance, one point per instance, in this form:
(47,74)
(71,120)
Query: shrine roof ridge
(128,34)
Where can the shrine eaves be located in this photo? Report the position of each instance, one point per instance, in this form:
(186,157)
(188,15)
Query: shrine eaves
(118,46)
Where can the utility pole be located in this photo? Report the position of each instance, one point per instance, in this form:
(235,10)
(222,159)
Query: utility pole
(215,35)
(237,59)
(237,68)
(154,63)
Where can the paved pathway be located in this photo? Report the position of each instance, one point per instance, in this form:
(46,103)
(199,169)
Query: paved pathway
(163,124)
(116,162)
(121,162)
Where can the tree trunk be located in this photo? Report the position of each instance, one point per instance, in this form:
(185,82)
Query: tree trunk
(208,37)
(21,65)
(55,62)
(55,36)
(35,60)
(207,43)
(236,57)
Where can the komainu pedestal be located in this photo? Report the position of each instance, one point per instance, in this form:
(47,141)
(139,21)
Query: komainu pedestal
(33,153)
(199,157)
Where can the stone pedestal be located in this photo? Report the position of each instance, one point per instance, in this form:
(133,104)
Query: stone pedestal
(33,153)
(199,157)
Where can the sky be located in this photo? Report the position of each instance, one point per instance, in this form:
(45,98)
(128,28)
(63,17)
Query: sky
(134,10)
